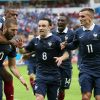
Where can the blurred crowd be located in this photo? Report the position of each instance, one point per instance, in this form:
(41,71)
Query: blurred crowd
(27,20)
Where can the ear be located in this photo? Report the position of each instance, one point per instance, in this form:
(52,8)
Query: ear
(51,27)
(4,29)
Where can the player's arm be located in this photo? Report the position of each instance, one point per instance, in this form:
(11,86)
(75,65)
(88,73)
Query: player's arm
(27,55)
(16,40)
(26,49)
(60,59)
(15,71)
(72,45)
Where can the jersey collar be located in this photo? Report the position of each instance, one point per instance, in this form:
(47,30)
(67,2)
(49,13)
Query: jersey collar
(91,27)
(65,30)
(49,34)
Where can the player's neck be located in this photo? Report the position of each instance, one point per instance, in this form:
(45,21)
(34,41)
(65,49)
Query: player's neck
(88,25)
(46,35)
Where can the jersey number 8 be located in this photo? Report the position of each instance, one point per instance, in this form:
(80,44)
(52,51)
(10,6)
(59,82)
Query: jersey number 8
(44,56)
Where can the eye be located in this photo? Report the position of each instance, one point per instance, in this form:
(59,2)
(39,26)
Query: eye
(14,14)
(13,29)
(42,26)
(82,16)
(60,20)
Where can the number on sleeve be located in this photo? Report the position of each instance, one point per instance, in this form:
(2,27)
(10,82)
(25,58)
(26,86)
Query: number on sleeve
(1,55)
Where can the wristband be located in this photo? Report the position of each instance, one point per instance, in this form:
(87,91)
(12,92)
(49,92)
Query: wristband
(21,77)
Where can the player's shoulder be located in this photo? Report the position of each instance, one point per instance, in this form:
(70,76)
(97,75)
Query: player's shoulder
(2,19)
(97,27)
(55,37)
(70,30)
(78,31)
(35,39)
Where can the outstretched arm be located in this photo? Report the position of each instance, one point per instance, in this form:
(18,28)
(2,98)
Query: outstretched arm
(16,40)
(15,71)
(27,56)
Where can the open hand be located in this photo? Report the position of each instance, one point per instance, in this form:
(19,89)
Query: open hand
(58,60)
(17,41)
(24,82)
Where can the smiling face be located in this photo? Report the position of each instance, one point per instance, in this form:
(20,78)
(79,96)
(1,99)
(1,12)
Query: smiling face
(62,22)
(86,18)
(44,28)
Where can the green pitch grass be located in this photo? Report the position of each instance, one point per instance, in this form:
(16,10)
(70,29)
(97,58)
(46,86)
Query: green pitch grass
(21,94)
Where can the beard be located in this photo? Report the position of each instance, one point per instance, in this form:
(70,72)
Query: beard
(8,35)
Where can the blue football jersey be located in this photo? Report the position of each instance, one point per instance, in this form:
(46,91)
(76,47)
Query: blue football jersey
(68,37)
(6,51)
(46,49)
(89,49)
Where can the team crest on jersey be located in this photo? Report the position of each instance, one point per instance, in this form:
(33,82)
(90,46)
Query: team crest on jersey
(66,38)
(35,44)
(50,44)
(10,46)
(95,36)
(33,55)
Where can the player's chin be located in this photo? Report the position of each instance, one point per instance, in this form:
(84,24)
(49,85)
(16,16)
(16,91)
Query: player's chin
(41,32)
(10,37)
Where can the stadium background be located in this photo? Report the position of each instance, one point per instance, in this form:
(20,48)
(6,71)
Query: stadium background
(29,12)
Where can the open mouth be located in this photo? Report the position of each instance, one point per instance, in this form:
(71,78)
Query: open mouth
(41,31)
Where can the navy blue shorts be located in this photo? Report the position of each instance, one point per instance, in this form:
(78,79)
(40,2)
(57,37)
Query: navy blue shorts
(89,83)
(49,88)
(31,67)
(65,78)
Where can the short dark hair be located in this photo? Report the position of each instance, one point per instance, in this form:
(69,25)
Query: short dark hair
(92,11)
(47,19)
(66,16)
(11,11)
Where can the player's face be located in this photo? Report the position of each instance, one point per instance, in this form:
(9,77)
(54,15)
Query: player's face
(43,28)
(62,23)
(12,14)
(85,18)
(11,31)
